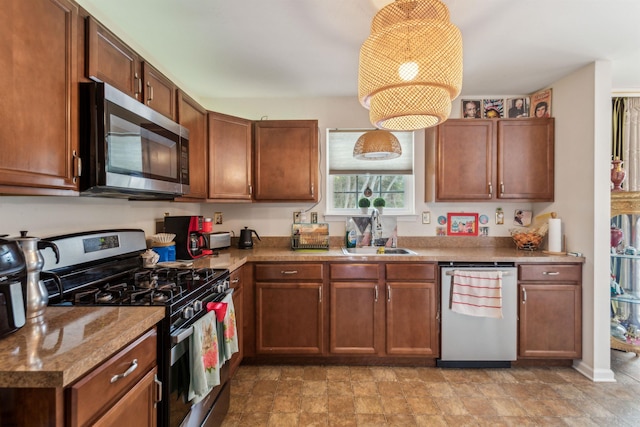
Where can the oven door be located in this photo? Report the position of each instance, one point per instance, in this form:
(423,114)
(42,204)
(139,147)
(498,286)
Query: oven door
(181,411)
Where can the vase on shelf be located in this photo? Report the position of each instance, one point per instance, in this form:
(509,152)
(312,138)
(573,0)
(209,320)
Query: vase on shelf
(617,174)
(616,236)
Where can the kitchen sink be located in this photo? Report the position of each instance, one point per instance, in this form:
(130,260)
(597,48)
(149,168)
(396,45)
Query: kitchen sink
(372,250)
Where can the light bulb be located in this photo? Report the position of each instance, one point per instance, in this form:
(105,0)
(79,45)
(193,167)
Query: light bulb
(408,71)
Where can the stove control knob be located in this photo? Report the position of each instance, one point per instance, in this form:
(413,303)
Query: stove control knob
(197,305)
(187,313)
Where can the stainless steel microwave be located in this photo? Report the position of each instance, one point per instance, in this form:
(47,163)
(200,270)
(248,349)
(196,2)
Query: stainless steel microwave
(129,150)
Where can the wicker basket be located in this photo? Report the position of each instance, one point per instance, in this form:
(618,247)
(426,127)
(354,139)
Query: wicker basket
(527,240)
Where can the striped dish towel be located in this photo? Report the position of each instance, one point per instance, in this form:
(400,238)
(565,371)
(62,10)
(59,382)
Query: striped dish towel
(477,293)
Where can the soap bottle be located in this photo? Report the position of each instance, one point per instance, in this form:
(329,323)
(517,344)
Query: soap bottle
(350,234)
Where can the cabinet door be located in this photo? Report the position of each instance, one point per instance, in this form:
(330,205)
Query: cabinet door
(159,92)
(111,61)
(465,160)
(286,160)
(39,87)
(136,408)
(355,309)
(194,117)
(229,158)
(412,327)
(550,321)
(289,318)
(525,159)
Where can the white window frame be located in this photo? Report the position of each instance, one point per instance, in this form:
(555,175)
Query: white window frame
(409,186)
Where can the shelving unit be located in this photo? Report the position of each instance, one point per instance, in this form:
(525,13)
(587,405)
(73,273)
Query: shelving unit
(625,270)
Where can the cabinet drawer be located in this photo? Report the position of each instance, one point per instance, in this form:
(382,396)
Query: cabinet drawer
(422,271)
(291,271)
(97,391)
(550,272)
(354,271)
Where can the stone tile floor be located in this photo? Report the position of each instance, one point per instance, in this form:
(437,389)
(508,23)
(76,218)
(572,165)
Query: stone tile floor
(399,396)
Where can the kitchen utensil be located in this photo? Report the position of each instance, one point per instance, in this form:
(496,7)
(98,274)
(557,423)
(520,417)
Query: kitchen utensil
(37,295)
(246,238)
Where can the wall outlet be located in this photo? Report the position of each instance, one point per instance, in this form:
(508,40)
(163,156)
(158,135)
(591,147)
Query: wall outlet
(426,217)
(296,217)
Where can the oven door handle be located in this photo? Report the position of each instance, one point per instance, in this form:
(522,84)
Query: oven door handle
(181,335)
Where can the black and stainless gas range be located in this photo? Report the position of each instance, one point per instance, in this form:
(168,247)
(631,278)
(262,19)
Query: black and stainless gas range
(105,268)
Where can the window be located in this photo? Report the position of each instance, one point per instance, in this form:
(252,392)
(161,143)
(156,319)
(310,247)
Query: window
(351,179)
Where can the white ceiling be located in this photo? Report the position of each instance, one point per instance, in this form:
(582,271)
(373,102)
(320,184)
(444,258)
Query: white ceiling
(308,48)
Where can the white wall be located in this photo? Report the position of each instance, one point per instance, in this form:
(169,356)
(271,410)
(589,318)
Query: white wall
(582,104)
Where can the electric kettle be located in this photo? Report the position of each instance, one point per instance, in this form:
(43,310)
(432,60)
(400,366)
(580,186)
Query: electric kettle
(246,238)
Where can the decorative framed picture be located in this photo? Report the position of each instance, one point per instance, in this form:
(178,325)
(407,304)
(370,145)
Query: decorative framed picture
(471,108)
(522,218)
(517,107)
(493,108)
(541,104)
(462,224)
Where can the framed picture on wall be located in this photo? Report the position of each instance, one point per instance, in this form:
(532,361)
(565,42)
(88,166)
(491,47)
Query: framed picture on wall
(517,108)
(471,108)
(462,224)
(493,108)
(541,104)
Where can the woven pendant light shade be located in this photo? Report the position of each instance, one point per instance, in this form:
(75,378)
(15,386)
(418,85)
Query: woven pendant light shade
(377,145)
(410,66)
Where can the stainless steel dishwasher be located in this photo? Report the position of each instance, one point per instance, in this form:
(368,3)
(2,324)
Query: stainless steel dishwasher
(479,342)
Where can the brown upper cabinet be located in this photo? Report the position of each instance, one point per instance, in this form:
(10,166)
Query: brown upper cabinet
(505,159)
(286,161)
(110,60)
(39,86)
(229,158)
(194,117)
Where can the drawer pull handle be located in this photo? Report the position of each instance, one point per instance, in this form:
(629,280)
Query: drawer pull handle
(133,367)
(236,280)
(158,390)
(551,273)
(289,272)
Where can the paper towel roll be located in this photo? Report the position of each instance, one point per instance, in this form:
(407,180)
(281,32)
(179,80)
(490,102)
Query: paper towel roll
(555,235)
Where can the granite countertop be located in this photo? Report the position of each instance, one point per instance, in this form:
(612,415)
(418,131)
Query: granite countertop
(69,342)
(234,258)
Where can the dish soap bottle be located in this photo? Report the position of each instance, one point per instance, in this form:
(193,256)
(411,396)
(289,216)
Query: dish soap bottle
(350,234)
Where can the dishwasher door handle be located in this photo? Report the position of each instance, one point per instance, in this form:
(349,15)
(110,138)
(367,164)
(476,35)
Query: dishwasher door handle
(504,273)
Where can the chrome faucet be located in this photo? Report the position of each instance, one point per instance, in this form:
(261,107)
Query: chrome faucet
(374,220)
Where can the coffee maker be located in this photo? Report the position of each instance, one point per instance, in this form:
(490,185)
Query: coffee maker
(190,241)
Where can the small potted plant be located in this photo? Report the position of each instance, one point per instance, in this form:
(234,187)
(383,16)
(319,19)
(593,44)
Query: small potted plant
(379,203)
(364,204)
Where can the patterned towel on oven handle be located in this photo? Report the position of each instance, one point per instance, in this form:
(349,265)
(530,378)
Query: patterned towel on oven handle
(227,331)
(204,357)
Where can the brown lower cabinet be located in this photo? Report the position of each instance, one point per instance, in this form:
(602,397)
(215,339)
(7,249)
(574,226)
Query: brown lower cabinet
(103,397)
(550,311)
(357,309)
(289,308)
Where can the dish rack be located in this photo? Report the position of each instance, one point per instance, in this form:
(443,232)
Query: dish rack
(310,236)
